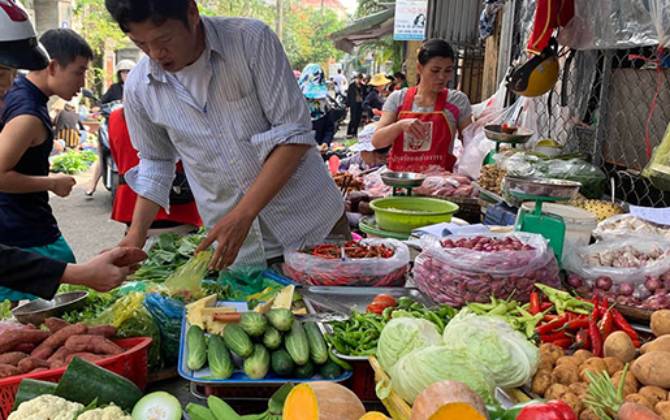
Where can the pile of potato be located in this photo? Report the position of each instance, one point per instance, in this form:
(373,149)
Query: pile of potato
(563,377)
(26,349)
(491,178)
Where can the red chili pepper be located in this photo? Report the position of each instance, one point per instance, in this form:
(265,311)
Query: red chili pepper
(596,338)
(534,303)
(582,340)
(596,307)
(563,343)
(607,323)
(553,325)
(550,338)
(577,323)
(549,318)
(621,323)
(552,410)
(545,305)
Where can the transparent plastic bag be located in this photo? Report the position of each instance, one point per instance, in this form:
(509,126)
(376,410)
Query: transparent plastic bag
(168,314)
(455,276)
(370,272)
(658,168)
(626,225)
(616,269)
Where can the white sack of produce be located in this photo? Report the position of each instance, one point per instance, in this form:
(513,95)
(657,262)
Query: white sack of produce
(494,344)
(419,369)
(626,225)
(402,336)
(633,271)
(463,269)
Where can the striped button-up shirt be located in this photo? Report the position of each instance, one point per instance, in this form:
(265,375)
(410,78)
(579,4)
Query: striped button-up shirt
(253,105)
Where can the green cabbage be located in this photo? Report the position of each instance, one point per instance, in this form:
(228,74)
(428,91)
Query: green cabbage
(403,335)
(505,352)
(421,368)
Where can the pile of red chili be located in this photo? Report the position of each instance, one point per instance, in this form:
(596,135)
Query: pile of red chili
(351,249)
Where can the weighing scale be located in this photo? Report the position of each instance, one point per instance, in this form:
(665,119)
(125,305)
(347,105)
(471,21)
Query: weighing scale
(495,133)
(400,181)
(551,227)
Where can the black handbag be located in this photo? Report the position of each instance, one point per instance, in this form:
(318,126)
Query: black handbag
(181,193)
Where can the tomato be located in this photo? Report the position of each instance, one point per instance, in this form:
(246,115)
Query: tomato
(376,308)
(385,300)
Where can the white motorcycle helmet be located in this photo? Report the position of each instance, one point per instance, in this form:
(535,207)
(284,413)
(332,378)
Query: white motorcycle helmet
(19,47)
(124,65)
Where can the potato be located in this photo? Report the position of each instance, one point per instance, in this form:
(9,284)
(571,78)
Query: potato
(573,401)
(565,374)
(594,364)
(579,389)
(663,409)
(639,399)
(654,394)
(582,355)
(556,391)
(662,343)
(588,415)
(630,387)
(660,322)
(613,365)
(545,366)
(633,411)
(541,381)
(619,345)
(551,352)
(653,368)
(568,359)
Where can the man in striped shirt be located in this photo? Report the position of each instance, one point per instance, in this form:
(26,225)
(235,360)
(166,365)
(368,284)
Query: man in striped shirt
(219,94)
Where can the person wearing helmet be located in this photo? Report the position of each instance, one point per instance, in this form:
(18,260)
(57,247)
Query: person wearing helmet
(115,91)
(420,123)
(26,140)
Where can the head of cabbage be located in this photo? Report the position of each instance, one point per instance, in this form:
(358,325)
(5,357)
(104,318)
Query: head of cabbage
(403,335)
(505,352)
(416,371)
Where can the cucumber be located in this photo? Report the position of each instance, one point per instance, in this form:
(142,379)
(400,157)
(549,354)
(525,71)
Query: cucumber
(281,319)
(272,338)
(317,345)
(221,409)
(305,371)
(296,344)
(158,405)
(197,348)
(199,412)
(31,388)
(330,370)
(237,340)
(253,323)
(282,364)
(218,357)
(258,364)
(83,382)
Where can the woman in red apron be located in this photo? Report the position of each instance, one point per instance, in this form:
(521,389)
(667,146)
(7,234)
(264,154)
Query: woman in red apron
(420,123)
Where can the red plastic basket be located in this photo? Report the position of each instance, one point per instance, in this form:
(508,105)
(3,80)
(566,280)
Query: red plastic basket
(131,364)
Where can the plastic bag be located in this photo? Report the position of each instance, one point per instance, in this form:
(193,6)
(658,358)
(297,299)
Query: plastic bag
(132,319)
(248,283)
(370,272)
(626,225)
(617,269)
(187,280)
(455,276)
(658,168)
(168,314)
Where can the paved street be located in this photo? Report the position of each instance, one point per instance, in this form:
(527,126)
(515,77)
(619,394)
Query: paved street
(85,221)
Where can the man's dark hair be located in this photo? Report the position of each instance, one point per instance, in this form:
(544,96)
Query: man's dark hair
(125,12)
(435,48)
(65,45)
(400,75)
(339,71)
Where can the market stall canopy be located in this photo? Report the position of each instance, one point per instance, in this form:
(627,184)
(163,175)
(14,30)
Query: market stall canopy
(365,29)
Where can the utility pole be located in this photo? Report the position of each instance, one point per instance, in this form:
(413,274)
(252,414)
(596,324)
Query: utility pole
(280,20)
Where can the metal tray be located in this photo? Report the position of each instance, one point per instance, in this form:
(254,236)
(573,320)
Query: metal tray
(521,135)
(239,378)
(38,310)
(403,179)
(344,299)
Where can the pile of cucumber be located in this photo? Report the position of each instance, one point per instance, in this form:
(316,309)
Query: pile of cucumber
(261,343)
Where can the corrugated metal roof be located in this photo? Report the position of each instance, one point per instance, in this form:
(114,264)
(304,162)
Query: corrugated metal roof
(457,21)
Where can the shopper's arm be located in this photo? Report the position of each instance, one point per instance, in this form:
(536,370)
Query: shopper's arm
(18,135)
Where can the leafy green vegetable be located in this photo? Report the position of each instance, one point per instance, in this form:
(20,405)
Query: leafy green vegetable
(73,162)
(5,309)
(402,336)
(95,304)
(169,253)
(417,370)
(494,344)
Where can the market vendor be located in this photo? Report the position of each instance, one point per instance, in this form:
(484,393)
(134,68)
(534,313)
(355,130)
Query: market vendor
(420,123)
(219,94)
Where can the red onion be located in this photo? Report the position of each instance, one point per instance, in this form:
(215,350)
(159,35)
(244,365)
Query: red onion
(604,283)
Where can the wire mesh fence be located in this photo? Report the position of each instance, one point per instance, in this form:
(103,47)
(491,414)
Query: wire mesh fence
(612,106)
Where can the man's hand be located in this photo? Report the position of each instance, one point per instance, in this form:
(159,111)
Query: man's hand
(61,184)
(102,273)
(230,233)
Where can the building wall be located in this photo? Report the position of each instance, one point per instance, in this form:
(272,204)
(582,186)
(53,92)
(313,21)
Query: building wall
(51,14)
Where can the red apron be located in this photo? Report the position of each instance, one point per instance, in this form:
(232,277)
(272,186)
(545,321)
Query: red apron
(409,154)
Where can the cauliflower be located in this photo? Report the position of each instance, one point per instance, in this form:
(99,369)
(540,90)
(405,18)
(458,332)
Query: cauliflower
(46,407)
(111,412)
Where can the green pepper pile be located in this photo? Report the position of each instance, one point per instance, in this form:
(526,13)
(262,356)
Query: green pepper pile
(358,335)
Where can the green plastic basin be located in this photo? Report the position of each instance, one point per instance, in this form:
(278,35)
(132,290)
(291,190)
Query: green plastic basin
(404,214)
